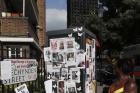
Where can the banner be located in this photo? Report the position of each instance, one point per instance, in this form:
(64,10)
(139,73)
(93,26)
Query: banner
(22,70)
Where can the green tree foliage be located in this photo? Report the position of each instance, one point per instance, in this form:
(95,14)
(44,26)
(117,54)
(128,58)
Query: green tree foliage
(122,18)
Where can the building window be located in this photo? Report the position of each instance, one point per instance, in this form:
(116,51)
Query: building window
(15,52)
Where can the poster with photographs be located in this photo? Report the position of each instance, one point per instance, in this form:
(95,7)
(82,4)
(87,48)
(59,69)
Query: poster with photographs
(75,74)
(49,71)
(70,58)
(64,73)
(70,43)
(54,87)
(61,86)
(54,44)
(89,51)
(58,57)
(56,73)
(80,58)
(47,54)
(71,87)
(93,49)
(79,87)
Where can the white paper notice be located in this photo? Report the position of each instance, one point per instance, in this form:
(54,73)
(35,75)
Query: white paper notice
(22,89)
(48,86)
(21,70)
(6,70)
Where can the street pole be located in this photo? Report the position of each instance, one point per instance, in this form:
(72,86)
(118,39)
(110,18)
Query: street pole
(23,8)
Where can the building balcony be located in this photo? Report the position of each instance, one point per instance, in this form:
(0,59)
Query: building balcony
(25,8)
(17,27)
(31,10)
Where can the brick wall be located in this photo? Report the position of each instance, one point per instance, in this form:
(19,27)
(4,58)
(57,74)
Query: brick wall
(42,22)
(17,27)
(13,27)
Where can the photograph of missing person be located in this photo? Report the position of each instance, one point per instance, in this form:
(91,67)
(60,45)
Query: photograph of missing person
(54,86)
(55,57)
(53,44)
(71,87)
(70,56)
(61,44)
(70,43)
(64,73)
(61,87)
(56,73)
(71,90)
(49,71)
(58,57)
(61,58)
(75,74)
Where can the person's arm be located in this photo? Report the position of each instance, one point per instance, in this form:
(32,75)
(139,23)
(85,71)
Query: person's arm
(111,88)
(131,87)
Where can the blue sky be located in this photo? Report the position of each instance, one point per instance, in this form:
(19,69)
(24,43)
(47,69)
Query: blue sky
(56,14)
(60,4)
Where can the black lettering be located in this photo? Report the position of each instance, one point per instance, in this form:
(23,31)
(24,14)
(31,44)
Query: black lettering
(4,81)
(13,80)
(26,71)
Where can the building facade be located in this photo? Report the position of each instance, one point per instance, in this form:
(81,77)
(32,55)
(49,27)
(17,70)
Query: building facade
(42,22)
(22,28)
(78,11)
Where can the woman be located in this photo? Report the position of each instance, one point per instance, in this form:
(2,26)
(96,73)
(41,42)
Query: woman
(125,83)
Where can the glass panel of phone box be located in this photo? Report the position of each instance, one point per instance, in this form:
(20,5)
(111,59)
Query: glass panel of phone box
(64,61)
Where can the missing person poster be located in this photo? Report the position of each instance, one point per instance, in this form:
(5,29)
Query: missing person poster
(56,73)
(80,57)
(70,43)
(47,54)
(71,87)
(70,58)
(61,86)
(51,86)
(75,74)
(64,73)
(54,87)
(61,44)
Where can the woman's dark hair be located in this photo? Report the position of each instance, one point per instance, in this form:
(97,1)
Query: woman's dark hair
(125,65)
